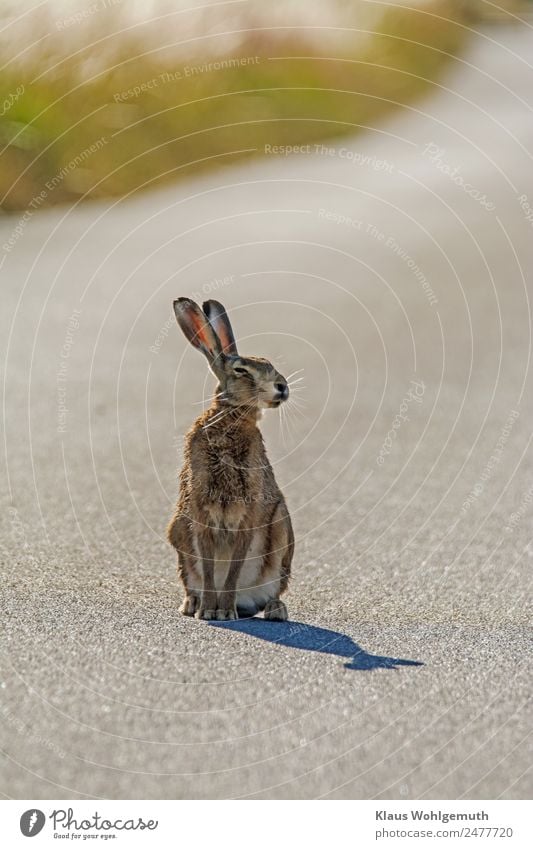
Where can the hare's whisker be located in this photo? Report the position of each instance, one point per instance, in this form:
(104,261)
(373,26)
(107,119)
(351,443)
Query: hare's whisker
(207,400)
(290,424)
(280,409)
(290,427)
(218,417)
(224,410)
(211,423)
(286,423)
(292,374)
(247,408)
(299,412)
(295,402)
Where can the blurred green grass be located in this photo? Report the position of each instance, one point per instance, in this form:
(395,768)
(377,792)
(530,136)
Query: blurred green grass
(65,137)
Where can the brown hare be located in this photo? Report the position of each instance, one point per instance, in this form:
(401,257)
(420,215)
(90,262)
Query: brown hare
(231,528)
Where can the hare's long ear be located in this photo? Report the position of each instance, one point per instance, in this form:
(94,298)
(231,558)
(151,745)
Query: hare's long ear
(197,328)
(219,321)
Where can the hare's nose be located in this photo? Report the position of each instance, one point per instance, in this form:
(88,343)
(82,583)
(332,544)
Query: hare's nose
(283,391)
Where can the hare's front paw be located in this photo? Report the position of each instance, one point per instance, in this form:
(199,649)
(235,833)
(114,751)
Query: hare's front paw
(190,605)
(205,613)
(226,613)
(275,609)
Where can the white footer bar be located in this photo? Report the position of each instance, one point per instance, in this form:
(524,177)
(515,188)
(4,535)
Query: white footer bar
(264,824)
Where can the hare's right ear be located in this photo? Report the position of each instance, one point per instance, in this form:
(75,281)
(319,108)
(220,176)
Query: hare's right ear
(197,328)
(219,321)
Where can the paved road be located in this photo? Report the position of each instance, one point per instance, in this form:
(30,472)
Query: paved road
(395,269)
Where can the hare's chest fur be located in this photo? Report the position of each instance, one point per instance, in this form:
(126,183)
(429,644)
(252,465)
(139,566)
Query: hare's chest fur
(235,475)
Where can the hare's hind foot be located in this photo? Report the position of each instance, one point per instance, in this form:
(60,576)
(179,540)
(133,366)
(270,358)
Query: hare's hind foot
(190,605)
(276,609)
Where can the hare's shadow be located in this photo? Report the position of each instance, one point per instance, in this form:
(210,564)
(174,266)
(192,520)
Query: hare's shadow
(298,635)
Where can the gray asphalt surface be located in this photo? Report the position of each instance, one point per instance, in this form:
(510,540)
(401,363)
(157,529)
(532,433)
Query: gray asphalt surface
(410,547)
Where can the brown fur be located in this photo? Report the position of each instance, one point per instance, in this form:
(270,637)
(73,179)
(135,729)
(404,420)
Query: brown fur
(230,507)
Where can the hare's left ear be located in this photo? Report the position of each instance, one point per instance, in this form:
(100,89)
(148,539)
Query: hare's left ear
(219,321)
(197,328)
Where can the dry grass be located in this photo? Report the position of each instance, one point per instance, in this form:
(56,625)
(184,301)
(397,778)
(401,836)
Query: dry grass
(286,93)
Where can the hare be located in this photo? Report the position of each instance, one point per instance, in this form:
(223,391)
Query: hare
(231,528)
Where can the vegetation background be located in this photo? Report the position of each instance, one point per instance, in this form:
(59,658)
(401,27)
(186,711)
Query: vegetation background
(105,98)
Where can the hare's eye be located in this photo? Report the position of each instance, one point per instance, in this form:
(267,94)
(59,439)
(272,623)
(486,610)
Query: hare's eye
(240,371)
